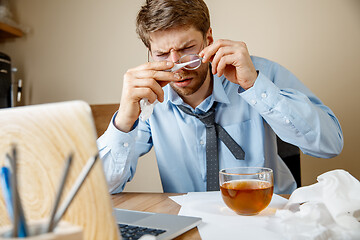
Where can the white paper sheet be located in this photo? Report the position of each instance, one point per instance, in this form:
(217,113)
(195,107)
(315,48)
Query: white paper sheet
(219,222)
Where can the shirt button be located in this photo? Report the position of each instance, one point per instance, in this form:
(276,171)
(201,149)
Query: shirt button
(253,102)
(201,142)
(125,144)
(263,95)
(287,121)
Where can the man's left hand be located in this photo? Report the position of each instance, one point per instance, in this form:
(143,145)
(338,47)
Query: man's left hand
(231,59)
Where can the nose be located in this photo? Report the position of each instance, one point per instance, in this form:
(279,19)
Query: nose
(174,56)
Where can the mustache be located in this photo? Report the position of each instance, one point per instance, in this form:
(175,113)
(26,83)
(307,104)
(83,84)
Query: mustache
(185,74)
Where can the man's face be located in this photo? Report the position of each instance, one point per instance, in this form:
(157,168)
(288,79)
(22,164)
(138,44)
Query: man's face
(172,44)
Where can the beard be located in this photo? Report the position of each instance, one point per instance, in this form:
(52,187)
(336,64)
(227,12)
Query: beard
(197,77)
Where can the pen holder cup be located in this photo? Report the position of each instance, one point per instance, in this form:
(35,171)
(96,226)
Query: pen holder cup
(63,231)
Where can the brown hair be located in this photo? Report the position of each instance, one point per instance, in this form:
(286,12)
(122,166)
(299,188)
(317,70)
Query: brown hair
(157,15)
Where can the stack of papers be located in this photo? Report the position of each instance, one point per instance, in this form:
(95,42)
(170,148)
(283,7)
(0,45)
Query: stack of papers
(219,222)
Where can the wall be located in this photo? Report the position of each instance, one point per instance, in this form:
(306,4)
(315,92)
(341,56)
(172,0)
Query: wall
(80,49)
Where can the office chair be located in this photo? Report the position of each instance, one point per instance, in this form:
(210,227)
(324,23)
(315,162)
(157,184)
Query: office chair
(290,154)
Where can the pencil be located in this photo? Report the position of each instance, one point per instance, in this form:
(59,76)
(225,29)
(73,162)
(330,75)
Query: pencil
(74,190)
(50,226)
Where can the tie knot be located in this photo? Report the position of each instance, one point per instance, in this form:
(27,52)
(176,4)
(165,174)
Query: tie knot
(207,118)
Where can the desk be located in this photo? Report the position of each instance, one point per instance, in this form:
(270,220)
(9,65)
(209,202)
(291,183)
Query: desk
(154,202)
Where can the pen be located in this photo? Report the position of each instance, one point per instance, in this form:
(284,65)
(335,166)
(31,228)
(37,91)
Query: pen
(7,192)
(50,226)
(73,191)
(15,214)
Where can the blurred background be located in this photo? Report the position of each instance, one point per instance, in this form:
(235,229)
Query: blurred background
(80,49)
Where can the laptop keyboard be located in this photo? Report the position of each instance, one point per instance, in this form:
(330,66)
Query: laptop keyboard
(131,232)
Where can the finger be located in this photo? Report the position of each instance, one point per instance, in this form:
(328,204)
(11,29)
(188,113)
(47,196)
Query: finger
(223,51)
(132,84)
(208,52)
(159,66)
(223,63)
(141,93)
(151,84)
(157,75)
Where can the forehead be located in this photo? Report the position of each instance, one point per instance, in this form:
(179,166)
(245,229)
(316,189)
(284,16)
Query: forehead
(174,38)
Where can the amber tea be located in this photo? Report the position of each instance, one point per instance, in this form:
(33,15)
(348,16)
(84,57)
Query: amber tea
(246,191)
(247,197)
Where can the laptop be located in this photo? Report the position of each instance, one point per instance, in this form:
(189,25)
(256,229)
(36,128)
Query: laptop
(45,135)
(160,225)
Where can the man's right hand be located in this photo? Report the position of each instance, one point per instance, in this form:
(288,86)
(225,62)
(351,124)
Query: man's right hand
(144,81)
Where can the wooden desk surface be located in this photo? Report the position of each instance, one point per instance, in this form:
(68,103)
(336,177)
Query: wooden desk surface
(154,202)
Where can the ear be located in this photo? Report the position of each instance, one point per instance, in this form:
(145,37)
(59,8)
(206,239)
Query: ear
(209,37)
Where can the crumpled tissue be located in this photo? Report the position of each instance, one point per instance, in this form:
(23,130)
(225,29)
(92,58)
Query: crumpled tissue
(147,109)
(328,209)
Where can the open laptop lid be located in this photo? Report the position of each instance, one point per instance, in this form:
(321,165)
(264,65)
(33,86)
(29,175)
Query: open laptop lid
(45,135)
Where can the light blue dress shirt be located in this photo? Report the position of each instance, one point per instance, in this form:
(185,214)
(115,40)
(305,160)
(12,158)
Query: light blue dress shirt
(278,103)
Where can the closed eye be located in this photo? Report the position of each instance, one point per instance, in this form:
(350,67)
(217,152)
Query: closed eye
(183,51)
(190,47)
(162,55)
(187,50)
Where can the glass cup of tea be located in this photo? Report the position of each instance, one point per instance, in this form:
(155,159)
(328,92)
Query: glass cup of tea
(246,190)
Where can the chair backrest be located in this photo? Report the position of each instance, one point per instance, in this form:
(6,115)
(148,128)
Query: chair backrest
(102,114)
(147,177)
(290,154)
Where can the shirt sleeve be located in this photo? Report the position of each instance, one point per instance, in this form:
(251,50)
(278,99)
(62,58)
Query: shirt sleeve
(119,152)
(295,114)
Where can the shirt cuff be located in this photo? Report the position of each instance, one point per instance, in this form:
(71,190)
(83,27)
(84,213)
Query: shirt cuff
(263,96)
(119,138)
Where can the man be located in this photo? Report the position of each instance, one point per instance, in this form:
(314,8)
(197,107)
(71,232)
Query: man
(254,100)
